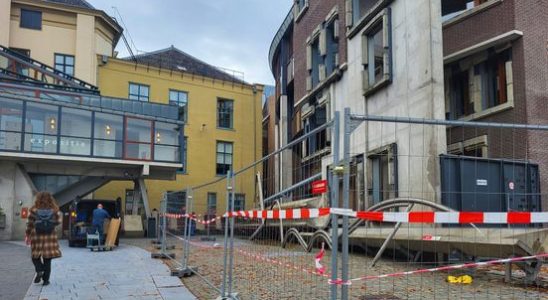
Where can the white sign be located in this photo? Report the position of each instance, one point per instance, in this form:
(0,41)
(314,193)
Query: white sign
(481,182)
(64,142)
(511,185)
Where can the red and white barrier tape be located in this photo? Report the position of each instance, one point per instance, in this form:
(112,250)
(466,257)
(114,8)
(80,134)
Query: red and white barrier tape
(283,264)
(425,217)
(194,218)
(444,268)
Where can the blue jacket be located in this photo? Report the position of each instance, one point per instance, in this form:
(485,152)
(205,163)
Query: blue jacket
(99,216)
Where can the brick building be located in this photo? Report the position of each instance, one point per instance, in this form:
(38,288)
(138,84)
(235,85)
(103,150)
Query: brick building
(496,70)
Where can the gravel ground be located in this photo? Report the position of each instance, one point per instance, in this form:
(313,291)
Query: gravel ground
(263,270)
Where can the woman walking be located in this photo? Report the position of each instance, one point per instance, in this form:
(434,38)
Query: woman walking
(43,218)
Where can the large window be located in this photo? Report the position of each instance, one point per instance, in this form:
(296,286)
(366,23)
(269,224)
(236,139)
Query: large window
(377,53)
(314,116)
(166,142)
(180,99)
(239,202)
(18,67)
(138,139)
(109,135)
(11,124)
(225,113)
(139,92)
(41,127)
(64,63)
(75,131)
(224,157)
(382,174)
(31,19)
(478,83)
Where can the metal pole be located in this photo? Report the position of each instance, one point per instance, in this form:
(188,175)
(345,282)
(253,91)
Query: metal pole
(164,211)
(223,285)
(334,203)
(186,232)
(231,257)
(346,196)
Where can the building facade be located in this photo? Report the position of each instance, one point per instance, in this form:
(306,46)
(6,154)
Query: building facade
(222,121)
(498,74)
(76,34)
(331,55)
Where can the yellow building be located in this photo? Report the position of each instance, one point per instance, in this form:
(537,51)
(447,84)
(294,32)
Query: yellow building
(65,34)
(77,39)
(223,117)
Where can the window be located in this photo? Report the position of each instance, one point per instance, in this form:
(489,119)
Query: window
(314,116)
(180,99)
(382,174)
(75,131)
(138,139)
(322,53)
(11,124)
(166,142)
(108,135)
(301,6)
(475,147)
(41,128)
(184,170)
(377,54)
(138,92)
(224,158)
(211,203)
(225,111)
(31,19)
(18,67)
(239,202)
(361,8)
(453,8)
(478,83)
(64,63)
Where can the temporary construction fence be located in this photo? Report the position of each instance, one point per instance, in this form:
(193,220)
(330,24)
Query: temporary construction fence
(371,207)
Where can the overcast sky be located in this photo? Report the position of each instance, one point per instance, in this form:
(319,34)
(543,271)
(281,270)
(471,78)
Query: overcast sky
(234,34)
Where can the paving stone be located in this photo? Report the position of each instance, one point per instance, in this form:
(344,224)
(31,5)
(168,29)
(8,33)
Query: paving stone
(174,293)
(166,281)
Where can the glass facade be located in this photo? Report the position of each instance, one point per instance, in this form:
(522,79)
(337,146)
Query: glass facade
(28,126)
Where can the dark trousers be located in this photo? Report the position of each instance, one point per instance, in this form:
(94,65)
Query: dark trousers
(99,228)
(42,265)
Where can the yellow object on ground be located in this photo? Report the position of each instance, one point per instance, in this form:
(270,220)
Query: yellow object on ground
(465,279)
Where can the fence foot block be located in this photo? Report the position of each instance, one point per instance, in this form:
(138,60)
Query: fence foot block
(233,296)
(162,255)
(171,247)
(184,272)
(208,238)
(155,242)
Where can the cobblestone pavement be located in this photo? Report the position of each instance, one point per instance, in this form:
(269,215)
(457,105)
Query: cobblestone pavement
(127,272)
(16,270)
(266,271)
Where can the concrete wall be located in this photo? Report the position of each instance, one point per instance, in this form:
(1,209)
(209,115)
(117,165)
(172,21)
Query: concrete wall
(5,12)
(16,194)
(416,90)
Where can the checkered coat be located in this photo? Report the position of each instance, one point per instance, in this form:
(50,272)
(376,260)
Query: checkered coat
(42,245)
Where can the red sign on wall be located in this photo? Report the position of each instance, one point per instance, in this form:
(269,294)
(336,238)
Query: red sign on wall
(319,187)
(24,212)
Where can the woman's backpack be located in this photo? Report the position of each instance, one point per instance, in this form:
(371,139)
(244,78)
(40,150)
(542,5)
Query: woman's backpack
(45,221)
